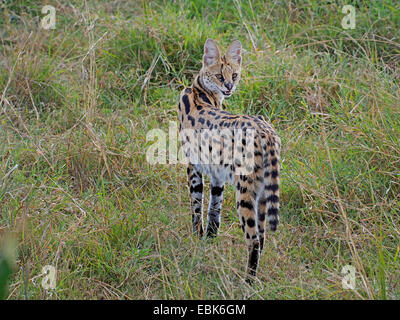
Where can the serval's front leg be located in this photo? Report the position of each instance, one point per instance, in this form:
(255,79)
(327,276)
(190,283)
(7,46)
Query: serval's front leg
(195,183)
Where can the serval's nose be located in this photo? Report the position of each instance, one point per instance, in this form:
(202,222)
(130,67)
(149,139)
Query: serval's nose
(229,85)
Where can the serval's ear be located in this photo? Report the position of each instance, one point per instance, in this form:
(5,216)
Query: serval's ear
(211,53)
(234,52)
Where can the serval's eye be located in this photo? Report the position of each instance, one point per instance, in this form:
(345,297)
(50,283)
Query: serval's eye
(220,77)
(234,76)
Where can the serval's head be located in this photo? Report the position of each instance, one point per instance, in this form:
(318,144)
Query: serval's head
(221,73)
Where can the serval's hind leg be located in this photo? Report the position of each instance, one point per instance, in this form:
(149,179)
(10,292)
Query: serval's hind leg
(195,183)
(246,205)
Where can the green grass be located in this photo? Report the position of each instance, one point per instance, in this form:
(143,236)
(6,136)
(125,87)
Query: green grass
(78,101)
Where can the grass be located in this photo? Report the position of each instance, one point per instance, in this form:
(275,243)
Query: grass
(76,191)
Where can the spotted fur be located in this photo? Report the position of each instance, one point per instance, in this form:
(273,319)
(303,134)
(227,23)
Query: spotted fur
(257,190)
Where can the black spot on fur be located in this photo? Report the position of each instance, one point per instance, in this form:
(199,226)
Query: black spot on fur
(253,259)
(273,198)
(246,204)
(198,188)
(273,211)
(185,100)
(191,119)
(250,222)
(205,98)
